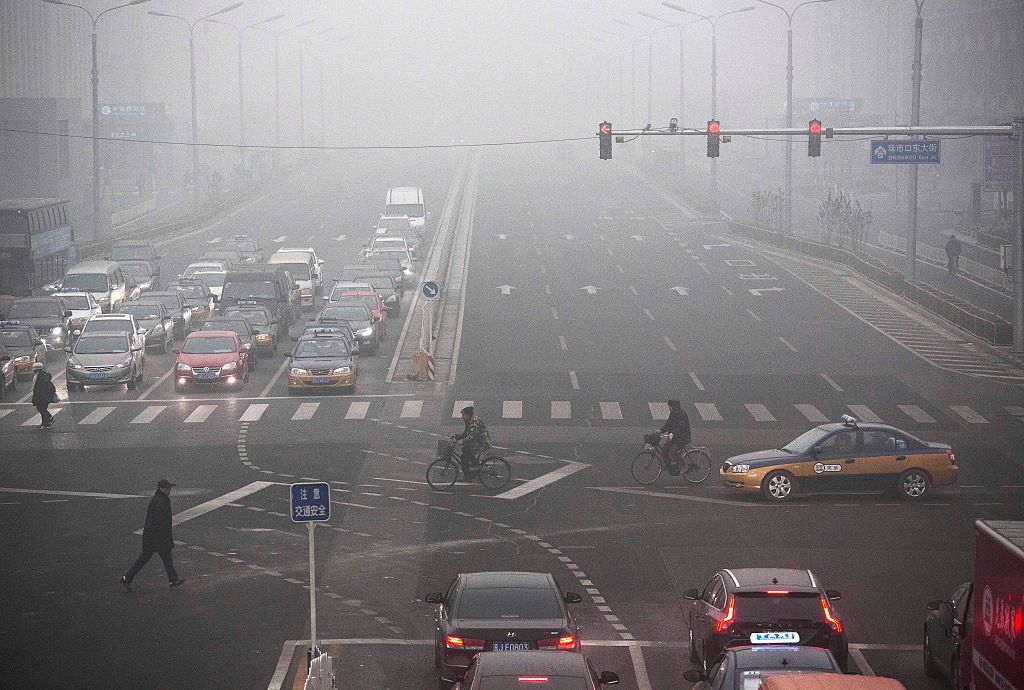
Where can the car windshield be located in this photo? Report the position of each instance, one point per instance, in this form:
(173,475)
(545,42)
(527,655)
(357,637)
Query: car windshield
(298,271)
(243,289)
(101,345)
(75,301)
(33,310)
(411,210)
(191,269)
(108,326)
(15,337)
(85,282)
(193,292)
(757,607)
(238,326)
(140,270)
(169,301)
(141,311)
(322,347)
(257,318)
(368,301)
(208,346)
(127,253)
(345,313)
(509,603)
(802,443)
(213,279)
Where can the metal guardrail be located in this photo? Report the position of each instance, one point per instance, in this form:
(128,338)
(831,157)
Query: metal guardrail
(984,273)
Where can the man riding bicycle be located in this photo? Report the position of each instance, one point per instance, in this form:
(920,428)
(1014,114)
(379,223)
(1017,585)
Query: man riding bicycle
(475,438)
(677,426)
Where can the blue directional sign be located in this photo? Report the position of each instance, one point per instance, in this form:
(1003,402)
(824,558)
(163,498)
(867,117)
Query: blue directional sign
(888,151)
(431,290)
(311,502)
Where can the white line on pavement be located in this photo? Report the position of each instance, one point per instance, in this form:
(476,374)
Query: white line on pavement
(96,416)
(219,502)
(671,345)
(459,404)
(832,383)
(305,411)
(865,414)
(684,497)
(917,414)
(726,290)
(148,414)
(636,654)
(968,414)
(540,482)
(862,663)
(787,343)
(562,343)
(512,409)
(648,314)
(574,381)
(253,412)
(561,409)
(200,414)
(412,408)
(31,421)
(696,381)
(812,413)
(83,494)
(754,316)
(659,410)
(708,412)
(275,377)
(156,383)
(554,313)
(611,410)
(759,412)
(357,410)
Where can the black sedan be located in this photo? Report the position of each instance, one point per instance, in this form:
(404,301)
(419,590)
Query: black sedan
(503,670)
(245,331)
(947,636)
(740,668)
(500,612)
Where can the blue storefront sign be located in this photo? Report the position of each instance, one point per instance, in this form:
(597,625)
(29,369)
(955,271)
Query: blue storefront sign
(915,151)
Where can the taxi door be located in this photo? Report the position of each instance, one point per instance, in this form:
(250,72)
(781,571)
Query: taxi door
(885,456)
(836,464)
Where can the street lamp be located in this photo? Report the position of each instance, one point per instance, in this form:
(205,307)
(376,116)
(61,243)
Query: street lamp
(277,85)
(192,82)
(302,100)
(650,64)
(95,106)
(622,59)
(789,103)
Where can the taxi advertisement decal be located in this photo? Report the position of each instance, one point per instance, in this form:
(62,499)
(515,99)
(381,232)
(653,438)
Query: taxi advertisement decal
(820,467)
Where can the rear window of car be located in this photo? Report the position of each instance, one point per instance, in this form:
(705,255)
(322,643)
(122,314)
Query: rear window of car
(369,301)
(508,603)
(797,606)
(15,337)
(108,326)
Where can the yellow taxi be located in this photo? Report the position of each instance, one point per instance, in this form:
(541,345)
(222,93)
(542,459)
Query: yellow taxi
(321,361)
(844,456)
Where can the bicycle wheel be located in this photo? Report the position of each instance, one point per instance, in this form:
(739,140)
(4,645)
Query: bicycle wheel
(442,474)
(646,467)
(494,472)
(696,465)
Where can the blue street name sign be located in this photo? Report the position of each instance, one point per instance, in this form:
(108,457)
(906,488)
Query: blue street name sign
(890,151)
(311,502)
(431,290)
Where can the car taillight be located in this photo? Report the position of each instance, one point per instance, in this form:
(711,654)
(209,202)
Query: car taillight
(730,616)
(565,643)
(533,679)
(452,642)
(830,617)
(777,592)
(952,457)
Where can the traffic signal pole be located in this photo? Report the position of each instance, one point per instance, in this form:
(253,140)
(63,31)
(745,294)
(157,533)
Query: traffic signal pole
(915,120)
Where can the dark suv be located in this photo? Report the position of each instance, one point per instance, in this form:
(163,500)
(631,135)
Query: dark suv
(759,606)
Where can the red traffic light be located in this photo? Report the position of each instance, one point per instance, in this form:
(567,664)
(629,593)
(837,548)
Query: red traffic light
(606,128)
(714,127)
(815,127)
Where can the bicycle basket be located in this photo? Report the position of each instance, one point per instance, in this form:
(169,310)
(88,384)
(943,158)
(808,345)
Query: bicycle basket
(653,439)
(445,447)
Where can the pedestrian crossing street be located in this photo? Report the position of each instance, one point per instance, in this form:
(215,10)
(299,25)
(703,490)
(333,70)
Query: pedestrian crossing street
(510,412)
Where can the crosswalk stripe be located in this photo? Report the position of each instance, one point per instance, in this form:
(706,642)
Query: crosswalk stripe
(33,419)
(200,414)
(659,410)
(149,414)
(812,413)
(611,410)
(917,414)
(708,412)
(305,411)
(357,410)
(865,414)
(561,409)
(968,414)
(760,413)
(459,404)
(4,413)
(412,408)
(253,412)
(512,409)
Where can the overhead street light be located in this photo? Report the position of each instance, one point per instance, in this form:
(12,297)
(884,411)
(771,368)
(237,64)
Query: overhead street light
(277,84)
(302,99)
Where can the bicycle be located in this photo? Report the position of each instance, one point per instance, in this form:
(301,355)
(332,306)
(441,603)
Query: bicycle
(647,466)
(493,471)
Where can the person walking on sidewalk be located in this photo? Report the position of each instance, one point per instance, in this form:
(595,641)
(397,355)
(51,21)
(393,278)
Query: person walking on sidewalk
(156,537)
(953,250)
(43,394)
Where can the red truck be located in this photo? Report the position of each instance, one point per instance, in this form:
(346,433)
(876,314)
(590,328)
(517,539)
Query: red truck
(975,637)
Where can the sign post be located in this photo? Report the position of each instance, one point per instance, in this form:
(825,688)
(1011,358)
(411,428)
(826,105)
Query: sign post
(311,503)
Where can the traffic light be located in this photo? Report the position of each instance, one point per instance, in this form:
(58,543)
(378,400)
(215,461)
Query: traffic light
(814,138)
(714,129)
(604,132)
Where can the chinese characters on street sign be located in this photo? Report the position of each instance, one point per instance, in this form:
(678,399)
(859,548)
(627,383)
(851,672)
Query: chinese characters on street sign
(311,502)
(905,150)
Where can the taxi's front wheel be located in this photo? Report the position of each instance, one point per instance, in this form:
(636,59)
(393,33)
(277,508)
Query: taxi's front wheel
(778,486)
(914,484)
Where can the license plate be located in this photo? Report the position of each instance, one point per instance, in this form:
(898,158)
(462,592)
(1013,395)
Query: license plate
(781,637)
(97,375)
(318,380)
(510,646)
(202,376)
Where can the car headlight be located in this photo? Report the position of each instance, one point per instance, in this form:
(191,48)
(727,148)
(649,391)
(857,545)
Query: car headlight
(365,332)
(230,366)
(343,370)
(299,371)
(739,469)
(145,286)
(263,337)
(184,367)
(74,363)
(126,362)
(56,330)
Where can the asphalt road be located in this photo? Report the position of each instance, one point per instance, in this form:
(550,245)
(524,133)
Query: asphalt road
(615,302)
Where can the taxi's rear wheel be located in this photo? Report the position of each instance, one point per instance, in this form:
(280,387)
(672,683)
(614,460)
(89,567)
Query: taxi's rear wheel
(914,484)
(778,485)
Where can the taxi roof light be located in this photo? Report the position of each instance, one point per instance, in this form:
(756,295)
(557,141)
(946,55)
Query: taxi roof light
(849,420)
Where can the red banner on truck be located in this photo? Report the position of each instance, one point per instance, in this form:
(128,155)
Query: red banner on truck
(998,625)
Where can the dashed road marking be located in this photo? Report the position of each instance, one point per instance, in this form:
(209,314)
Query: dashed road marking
(968,414)
(611,410)
(96,416)
(200,414)
(459,404)
(917,414)
(357,410)
(305,411)
(659,410)
(561,409)
(708,412)
(696,381)
(253,412)
(412,408)
(574,381)
(149,414)
(832,383)
(787,343)
(812,413)
(865,414)
(760,413)
(512,409)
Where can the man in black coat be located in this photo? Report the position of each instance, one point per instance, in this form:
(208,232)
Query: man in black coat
(678,425)
(156,537)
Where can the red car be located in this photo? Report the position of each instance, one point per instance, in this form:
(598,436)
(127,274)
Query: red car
(211,357)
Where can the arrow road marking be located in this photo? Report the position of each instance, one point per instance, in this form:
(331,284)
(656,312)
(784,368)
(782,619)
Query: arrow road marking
(590,289)
(710,246)
(638,238)
(681,291)
(759,292)
(506,289)
(568,237)
(215,240)
(502,237)
(757,276)
(341,238)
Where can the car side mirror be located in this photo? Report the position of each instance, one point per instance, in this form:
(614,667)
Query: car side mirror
(176,351)
(434,598)
(934,604)
(692,594)
(140,331)
(76,332)
(608,678)
(572,598)
(247,347)
(833,594)
(320,262)
(216,299)
(67,313)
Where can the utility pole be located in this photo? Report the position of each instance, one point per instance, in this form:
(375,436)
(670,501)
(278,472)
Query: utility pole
(915,120)
(1018,254)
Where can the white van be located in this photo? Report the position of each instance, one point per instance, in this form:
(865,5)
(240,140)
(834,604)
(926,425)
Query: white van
(407,201)
(303,270)
(103,279)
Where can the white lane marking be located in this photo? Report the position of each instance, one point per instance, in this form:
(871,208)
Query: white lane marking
(659,410)
(357,410)
(562,343)
(708,412)
(554,313)
(619,268)
(609,250)
(459,404)
(544,480)
(305,411)
(648,314)
(968,414)
(726,290)
(4,413)
(754,316)
(274,378)
(611,410)
(561,409)
(96,416)
(759,412)
(200,414)
(156,383)
(633,290)
(696,381)
(214,503)
(412,408)
(671,345)
(690,497)
(253,412)
(574,381)
(543,269)
(865,414)
(812,413)
(512,409)
(832,383)
(636,655)
(83,494)
(547,289)
(149,414)
(917,414)
(703,267)
(787,343)
(34,420)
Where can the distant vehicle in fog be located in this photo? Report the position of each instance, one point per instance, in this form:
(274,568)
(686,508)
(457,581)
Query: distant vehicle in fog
(407,201)
(39,244)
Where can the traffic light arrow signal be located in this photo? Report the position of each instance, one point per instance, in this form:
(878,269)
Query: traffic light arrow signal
(606,128)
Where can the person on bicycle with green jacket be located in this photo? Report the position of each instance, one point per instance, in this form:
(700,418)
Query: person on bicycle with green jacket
(677,426)
(475,437)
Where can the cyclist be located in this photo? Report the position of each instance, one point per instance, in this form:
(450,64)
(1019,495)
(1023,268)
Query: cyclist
(475,437)
(677,426)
